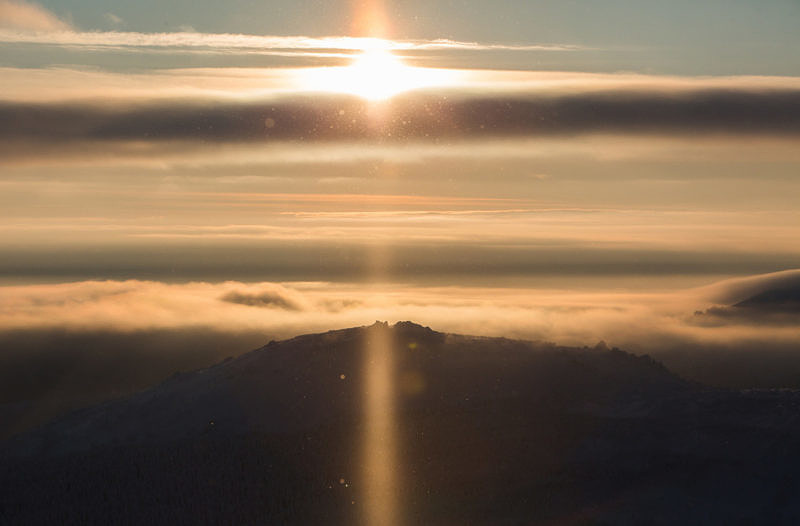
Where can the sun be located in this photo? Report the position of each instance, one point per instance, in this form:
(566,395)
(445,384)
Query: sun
(375,74)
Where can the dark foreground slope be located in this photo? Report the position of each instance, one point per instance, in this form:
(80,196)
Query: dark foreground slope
(484,431)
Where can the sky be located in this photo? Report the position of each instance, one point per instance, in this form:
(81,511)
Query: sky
(681,37)
(558,170)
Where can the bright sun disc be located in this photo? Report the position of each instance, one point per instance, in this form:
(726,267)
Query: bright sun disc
(376,74)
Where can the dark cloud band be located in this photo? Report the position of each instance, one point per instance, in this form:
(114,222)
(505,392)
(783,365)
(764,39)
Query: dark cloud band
(415,116)
(311,260)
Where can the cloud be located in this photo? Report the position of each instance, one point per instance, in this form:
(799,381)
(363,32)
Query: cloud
(240,42)
(444,44)
(346,252)
(276,296)
(771,299)
(410,118)
(113,19)
(739,289)
(234,156)
(28,20)
(719,316)
(226,85)
(567,316)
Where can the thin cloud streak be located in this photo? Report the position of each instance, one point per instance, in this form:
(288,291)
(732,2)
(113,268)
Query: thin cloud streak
(163,155)
(115,40)
(246,84)
(357,218)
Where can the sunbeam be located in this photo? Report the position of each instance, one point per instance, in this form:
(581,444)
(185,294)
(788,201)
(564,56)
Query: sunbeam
(380,465)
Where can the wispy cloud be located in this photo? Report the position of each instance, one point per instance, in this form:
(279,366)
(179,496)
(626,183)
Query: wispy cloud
(114,20)
(739,289)
(20,17)
(58,35)
(162,155)
(58,84)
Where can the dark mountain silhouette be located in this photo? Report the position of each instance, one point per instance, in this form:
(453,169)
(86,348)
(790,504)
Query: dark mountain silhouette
(777,300)
(469,430)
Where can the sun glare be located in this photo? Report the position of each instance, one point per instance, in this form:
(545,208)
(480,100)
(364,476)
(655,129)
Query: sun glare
(375,74)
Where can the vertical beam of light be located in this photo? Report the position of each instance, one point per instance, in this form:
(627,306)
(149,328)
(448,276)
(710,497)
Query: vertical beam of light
(370,19)
(379,446)
(380,503)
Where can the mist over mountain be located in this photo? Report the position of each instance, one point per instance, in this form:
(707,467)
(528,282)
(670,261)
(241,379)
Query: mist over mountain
(456,429)
(740,306)
(787,300)
(774,297)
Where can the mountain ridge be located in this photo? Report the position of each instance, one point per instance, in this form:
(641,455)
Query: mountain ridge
(468,430)
(217,393)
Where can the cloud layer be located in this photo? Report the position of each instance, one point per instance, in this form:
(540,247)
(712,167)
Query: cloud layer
(565,316)
(409,118)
